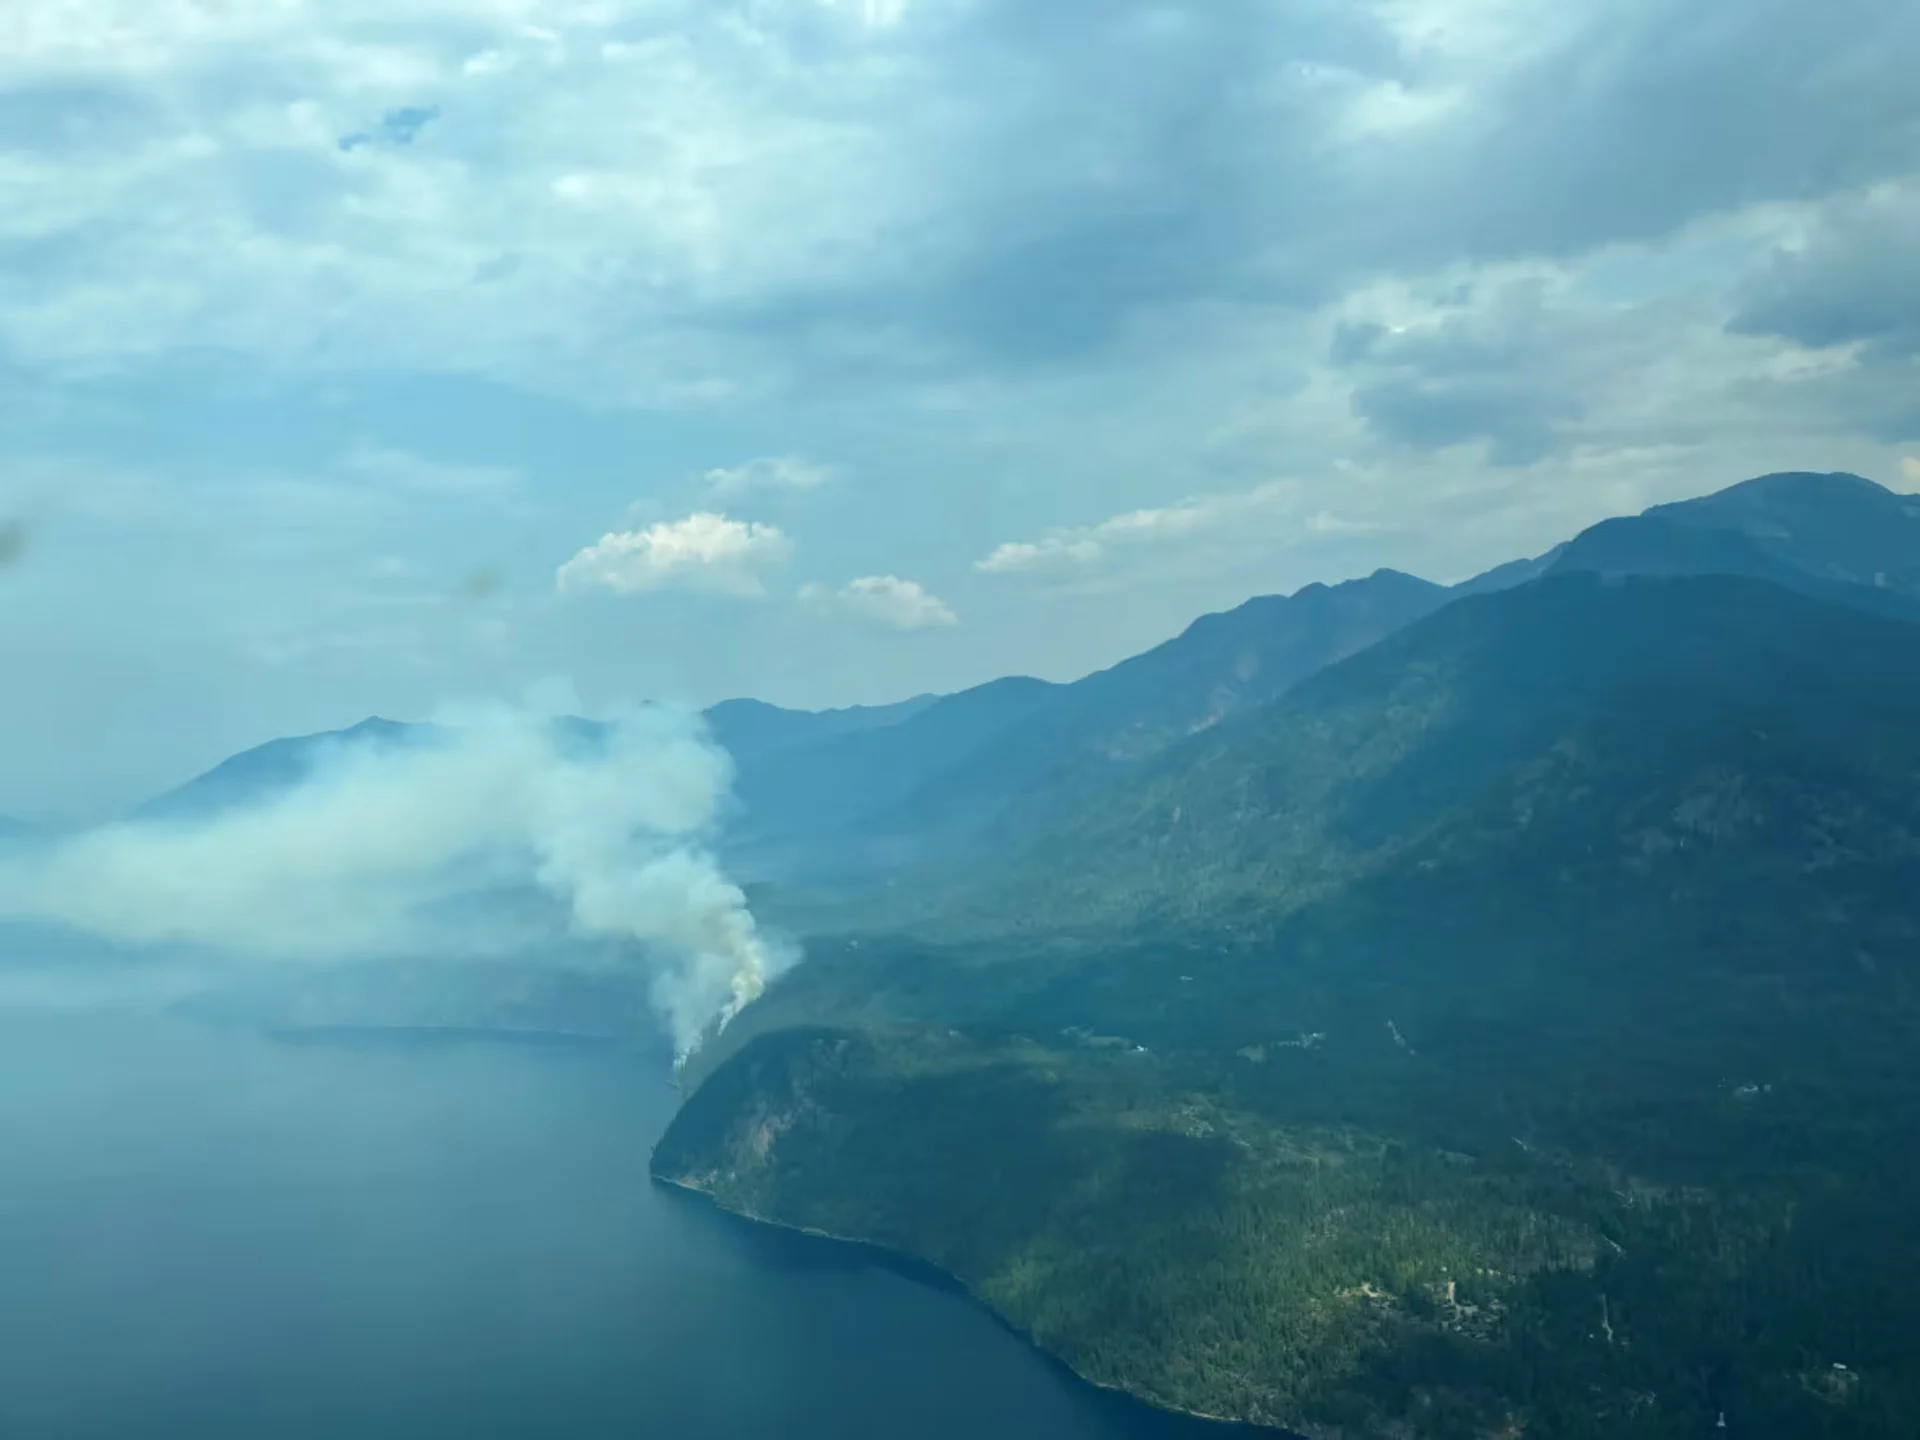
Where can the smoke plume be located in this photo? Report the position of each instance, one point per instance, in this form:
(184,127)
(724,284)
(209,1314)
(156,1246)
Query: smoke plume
(381,851)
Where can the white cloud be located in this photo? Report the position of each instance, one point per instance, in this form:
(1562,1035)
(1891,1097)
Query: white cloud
(769,473)
(884,600)
(1910,470)
(1079,547)
(707,551)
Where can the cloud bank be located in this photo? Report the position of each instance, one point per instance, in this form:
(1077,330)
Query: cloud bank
(382,853)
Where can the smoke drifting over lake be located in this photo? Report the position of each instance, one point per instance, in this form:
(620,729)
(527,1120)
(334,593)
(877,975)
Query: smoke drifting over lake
(401,851)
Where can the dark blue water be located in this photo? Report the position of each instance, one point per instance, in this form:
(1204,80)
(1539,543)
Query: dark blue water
(209,1233)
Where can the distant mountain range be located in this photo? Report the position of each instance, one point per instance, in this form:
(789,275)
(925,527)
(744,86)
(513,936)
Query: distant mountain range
(1516,1018)
(1657,698)
(1385,1010)
(275,766)
(754,732)
(954,775)
(846,792)
(1508,1029)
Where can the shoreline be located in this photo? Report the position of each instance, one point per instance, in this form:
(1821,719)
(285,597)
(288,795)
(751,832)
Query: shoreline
(924,1271)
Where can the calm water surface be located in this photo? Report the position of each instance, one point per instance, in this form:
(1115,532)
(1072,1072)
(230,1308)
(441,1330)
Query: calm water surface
(208,1233)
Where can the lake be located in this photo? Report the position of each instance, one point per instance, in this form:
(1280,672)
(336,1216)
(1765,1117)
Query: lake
(207,1232)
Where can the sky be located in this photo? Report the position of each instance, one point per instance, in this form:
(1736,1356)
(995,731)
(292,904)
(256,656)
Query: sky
(360,357)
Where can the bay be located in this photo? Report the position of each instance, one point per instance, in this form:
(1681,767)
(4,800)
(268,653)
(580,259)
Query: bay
(209,1232)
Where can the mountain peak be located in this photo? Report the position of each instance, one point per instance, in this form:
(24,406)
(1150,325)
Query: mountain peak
(377,725)
(1833,526)
(1789,489)
(1808,482)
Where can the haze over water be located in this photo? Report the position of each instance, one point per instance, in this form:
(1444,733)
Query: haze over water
(209,1233)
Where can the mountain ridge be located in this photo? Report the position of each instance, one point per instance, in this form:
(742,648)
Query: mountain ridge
(1562,619)
(858,791)
(276,765)
(1352,1039)
(1550,960)
(1083,734)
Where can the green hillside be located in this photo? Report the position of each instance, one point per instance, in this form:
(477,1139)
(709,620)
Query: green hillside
(1509,1032)
(945,780)
(1564,714)
(969,774)
(1092,731)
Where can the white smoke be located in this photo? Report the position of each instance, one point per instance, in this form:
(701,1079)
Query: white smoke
(380,851)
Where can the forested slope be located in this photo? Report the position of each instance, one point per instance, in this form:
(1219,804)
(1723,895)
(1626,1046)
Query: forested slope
(1509,1032)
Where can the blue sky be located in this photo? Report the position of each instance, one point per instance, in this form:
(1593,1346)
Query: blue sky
(359,357)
